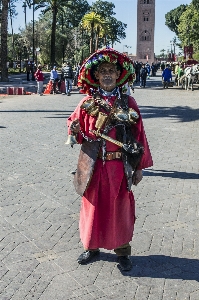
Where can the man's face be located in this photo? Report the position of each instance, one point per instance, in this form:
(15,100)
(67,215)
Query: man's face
(107,74)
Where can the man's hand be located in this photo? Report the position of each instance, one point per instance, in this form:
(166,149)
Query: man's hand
(137,177)
(75,126)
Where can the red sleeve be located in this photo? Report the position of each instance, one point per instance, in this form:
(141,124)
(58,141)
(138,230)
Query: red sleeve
(139,134)
(87,122)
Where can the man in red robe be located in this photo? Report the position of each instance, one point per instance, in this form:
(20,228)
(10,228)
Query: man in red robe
(114,152)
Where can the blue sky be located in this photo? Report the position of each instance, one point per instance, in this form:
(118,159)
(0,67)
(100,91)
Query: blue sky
(126,11)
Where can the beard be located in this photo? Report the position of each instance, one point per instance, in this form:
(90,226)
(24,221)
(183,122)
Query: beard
(108,84)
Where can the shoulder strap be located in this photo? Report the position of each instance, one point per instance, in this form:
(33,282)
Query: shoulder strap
(124,102)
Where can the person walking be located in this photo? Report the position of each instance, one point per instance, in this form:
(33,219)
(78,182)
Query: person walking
(40,80)
(28,71)
(67,75)
(166,76)
(148,67)
(55,79)
(77,73)
(143,75)
(114,151)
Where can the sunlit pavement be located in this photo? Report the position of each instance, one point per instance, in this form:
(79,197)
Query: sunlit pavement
(40,211)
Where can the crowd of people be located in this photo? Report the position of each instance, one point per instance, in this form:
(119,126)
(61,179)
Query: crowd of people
(69,75)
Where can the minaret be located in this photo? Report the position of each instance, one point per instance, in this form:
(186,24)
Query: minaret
(145,30)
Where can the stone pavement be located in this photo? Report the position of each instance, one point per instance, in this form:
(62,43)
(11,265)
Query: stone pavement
(39,210)
(20,80)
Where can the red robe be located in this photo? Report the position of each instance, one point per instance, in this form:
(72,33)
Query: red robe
(107,214)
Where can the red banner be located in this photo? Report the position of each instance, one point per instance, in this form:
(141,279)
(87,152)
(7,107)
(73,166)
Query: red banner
(188,52)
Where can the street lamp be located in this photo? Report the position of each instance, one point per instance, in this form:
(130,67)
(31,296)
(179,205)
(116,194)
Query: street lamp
(125,46)
(171,46)
(33,30)
(24,6)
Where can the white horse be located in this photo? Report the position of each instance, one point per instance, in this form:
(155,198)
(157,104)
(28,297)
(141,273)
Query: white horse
(189,76)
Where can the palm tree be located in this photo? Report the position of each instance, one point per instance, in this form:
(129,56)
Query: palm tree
(100,30)
(4,50)
(162,52)
(92,22)
(54,6)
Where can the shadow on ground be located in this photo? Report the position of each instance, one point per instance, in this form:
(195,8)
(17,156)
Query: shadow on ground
(178,113)
(171,174)
(159,266)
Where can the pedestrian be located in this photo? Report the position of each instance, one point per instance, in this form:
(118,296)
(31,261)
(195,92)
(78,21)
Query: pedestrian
(55,79)
(67,75)
(167,76)
(153,70)
(148,67)
(28,71)
(40,80)
(114,151)
(137,67)
(143,75)
(32,70)
(77,73)
(162,66)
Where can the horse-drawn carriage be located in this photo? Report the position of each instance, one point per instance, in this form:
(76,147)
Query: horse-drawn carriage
(190,76)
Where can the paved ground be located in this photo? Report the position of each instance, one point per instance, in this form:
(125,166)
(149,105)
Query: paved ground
(20,80)
(39,238)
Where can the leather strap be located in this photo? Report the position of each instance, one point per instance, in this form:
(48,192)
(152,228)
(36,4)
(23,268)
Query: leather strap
(85,166)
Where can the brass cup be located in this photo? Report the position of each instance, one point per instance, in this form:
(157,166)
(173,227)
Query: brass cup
(100,120)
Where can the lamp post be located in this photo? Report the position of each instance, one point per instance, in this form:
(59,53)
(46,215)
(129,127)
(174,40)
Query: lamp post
(33,30)
(62,26)
(82,56)
(24,6)
(125,46)
(171,42)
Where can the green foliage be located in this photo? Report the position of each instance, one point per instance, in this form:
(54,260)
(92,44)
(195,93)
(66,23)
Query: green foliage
(184,22)
(195,3)
(196,56)
(113,30)
(103,8)
(189,27)
(173,18)
(70,40)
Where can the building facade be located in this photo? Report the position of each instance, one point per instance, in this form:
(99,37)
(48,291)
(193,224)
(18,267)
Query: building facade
(145,30)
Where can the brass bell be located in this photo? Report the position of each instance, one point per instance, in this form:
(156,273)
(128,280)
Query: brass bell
(71,140)
(121,115)
(133,116)
(88,105)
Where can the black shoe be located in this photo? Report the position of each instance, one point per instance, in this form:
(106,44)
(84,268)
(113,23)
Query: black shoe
(86,256)
(125,263)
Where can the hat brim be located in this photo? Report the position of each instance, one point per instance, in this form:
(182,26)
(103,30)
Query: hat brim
(87,79)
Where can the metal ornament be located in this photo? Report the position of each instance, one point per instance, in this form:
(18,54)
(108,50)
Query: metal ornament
(90,107)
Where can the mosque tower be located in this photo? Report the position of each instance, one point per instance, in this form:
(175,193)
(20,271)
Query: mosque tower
(145,30)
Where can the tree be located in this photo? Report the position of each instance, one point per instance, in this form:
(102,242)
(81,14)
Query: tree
(103,8)
(77,7)
(92,22)
(53,6)
(113,29)
(173,18)
(162,52)
(116,30)
(188,27)
(195,3)
(4,50)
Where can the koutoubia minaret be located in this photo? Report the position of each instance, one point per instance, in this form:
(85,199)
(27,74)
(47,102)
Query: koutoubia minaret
(145,30)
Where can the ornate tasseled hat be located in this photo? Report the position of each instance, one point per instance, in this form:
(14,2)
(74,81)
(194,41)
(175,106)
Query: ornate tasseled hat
(87,80)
